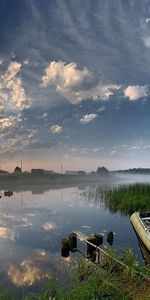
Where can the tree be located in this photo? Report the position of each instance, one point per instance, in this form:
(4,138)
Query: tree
(102,171)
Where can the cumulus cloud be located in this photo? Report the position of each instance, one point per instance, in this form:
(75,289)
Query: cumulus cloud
(17,93)
(75,84)
(12,71)
(88,118)
(56,129)
(13,101)
(7,122)
(135,92)
(12,93)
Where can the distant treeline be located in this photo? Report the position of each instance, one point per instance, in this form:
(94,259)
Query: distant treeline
(135,171)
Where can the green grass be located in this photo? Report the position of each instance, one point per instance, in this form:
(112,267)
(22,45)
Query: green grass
(90,282)
(129,198)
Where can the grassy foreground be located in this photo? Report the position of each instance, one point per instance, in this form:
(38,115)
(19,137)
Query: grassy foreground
(129,198)
(90,282)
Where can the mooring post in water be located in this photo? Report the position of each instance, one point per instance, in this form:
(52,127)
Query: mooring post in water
(110,237)
(91,253)
(72,241)
(65,247)
(98,239)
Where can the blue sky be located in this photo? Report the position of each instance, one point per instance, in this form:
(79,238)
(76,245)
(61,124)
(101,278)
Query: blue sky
(74,84)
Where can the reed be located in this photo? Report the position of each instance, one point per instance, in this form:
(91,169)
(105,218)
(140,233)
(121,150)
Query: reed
(129,198)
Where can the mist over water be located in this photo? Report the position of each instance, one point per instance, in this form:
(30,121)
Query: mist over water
(33,222)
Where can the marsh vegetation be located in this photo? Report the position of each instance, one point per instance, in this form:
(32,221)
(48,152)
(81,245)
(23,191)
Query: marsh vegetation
(128,198)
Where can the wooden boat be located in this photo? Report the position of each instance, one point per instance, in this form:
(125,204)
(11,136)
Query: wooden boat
(141,224)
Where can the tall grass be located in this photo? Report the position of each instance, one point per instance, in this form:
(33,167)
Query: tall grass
(90,282)
(129,198)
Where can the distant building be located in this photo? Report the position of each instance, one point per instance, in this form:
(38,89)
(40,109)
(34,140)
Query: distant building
(42,171)
(17,170)
(4,172)
(37,171)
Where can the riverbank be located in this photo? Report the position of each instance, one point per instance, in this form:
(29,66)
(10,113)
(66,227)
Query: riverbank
(90,282)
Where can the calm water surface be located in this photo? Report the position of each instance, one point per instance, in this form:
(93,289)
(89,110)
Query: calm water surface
(33,222)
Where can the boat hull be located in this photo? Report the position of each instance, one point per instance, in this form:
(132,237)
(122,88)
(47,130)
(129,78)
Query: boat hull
(140,229)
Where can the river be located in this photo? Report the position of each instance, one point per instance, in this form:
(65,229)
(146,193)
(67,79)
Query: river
(33,222)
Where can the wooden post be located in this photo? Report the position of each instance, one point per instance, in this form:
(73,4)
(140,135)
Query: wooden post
(72,241)
(99,239)
(65,247)
(110,237)
(90,249)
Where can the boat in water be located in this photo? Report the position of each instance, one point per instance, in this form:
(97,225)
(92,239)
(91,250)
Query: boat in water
(141,224)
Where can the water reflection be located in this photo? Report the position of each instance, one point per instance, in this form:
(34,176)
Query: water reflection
(7,233)
(145,252)
(34,220)
(49,226)
(40,266)
(8,193)
(30,270)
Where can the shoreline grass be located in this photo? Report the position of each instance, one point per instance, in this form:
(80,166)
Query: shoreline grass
(90,282)
(128,198)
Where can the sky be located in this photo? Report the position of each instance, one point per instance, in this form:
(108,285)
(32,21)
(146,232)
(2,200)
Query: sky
(74,84)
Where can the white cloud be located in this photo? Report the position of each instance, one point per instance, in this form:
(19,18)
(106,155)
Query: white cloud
(7,122)
(45,115)
(112,152)
(147,20)
(75,84)
(12,93)
(105,91)
(135,92)
(56,129)
(12,71)
(147,41)
(102,108)
(26,62)
(12,101)
(73,149)
(17,93)
(88,118)
(95,150)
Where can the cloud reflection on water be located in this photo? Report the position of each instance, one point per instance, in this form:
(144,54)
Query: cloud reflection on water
(38,267)
(49,226)
(30,270)
(7,233)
